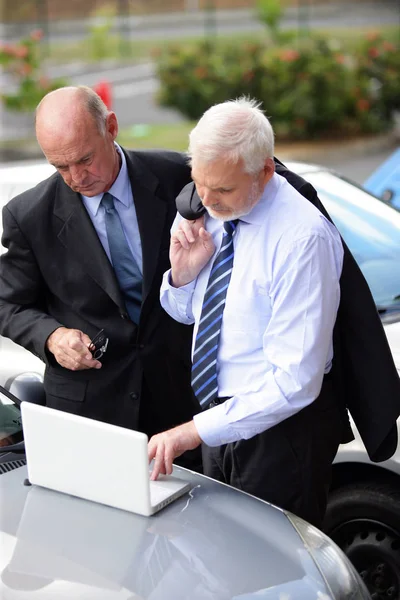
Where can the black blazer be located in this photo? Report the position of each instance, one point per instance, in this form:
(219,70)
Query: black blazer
(56,272)
(364,375)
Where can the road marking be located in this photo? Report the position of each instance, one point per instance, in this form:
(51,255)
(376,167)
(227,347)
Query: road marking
(129,90)
(114,75)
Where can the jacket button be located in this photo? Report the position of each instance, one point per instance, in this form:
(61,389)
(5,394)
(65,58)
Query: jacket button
(134,396)
(123,315)
(141,346)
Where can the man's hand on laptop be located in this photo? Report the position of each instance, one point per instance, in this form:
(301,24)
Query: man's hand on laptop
(166,446)
(71,349)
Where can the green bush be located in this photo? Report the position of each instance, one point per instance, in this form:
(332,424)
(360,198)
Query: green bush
(378,60)
(310,88)
(270,13)
(22,61)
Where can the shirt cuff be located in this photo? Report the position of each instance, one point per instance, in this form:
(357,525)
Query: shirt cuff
(181,296)
(177,291)
(213,428)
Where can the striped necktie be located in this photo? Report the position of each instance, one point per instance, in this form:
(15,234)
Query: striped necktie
(204,369)
(125,267)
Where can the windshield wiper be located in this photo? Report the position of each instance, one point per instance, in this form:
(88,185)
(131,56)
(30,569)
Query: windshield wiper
(389,308)
(20,447)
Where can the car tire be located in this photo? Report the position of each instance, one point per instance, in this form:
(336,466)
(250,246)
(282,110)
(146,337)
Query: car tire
(364,521)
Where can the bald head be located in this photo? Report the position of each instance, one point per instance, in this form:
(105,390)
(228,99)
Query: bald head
(66,109)
(76,132)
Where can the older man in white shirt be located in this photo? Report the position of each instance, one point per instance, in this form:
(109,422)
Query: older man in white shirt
(259,278)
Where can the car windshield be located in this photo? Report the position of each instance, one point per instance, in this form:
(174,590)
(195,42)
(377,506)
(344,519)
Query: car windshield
(10,420)
(370,228)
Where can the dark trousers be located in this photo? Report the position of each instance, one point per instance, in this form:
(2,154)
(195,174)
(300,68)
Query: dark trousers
(153,421)
(288,465)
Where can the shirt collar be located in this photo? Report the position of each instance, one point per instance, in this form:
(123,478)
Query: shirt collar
(119,189)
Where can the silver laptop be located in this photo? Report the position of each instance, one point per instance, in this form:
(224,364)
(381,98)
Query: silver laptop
(93,460)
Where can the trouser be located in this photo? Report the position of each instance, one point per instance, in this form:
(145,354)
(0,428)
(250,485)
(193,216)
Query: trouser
(288,465)
(152,422)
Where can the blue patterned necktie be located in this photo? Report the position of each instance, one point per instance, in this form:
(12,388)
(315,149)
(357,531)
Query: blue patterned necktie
(125,266)
(204,369)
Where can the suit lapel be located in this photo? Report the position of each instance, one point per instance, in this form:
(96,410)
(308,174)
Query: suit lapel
(79,236)
(151,213)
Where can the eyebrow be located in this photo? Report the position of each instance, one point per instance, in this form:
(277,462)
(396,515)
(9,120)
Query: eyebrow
(218,187)
(77,162)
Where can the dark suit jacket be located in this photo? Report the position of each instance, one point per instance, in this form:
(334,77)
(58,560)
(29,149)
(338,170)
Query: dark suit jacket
(56,272)
(364,375)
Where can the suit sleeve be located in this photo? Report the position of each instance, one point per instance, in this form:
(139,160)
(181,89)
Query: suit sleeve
(22,289)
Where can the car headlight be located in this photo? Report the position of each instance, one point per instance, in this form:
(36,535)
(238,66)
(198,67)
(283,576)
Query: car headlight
(340,576)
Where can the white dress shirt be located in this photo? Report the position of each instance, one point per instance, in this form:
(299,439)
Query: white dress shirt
(124,205)
(276,334)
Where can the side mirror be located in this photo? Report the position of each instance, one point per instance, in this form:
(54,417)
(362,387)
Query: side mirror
(387,196)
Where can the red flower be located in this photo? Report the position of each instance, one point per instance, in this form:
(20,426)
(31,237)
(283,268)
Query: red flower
(201,72)
(340,58)
(20,51)
(388,46)
(44,82)
(289,55)
(363,104)
(25,70)
(248,76)
(9,49)
(373,52)
(37,35)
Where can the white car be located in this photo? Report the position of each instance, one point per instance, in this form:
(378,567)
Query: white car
(15,178)
(363,515)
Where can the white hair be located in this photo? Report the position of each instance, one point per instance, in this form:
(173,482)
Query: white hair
(95,107)
(234,130)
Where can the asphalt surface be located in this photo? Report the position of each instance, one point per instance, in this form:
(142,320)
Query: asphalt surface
(134,87)
(357,168)
(188,23)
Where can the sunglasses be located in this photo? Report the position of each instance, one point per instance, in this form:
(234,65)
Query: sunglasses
(98,345)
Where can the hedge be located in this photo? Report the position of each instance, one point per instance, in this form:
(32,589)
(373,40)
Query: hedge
(308,88)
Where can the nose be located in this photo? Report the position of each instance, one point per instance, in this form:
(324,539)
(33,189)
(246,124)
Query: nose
(208,198)
(78,173)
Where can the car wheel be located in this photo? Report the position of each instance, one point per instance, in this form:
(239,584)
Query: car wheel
(364,521)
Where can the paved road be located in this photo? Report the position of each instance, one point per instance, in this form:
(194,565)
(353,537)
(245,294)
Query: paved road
(333,14)
(358,168)
(134,87)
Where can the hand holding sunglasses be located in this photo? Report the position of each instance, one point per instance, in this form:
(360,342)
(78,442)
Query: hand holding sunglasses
(98,345)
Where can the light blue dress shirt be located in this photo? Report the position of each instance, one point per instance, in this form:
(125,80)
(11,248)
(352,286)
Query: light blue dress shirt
(276,334)
(122,191)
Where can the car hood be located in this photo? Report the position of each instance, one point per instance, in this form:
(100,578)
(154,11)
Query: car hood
(214,543)
(393,334)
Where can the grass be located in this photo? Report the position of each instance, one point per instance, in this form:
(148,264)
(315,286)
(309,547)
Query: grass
(93,49)
(167,136)
(85,50)
(173,137)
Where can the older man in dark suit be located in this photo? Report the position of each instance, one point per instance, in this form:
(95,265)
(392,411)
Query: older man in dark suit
(86,250)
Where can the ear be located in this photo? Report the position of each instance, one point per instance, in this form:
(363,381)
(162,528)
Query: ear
(268,170)
(112,125)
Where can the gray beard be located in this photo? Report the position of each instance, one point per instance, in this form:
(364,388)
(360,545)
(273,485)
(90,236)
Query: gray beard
(254,197)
